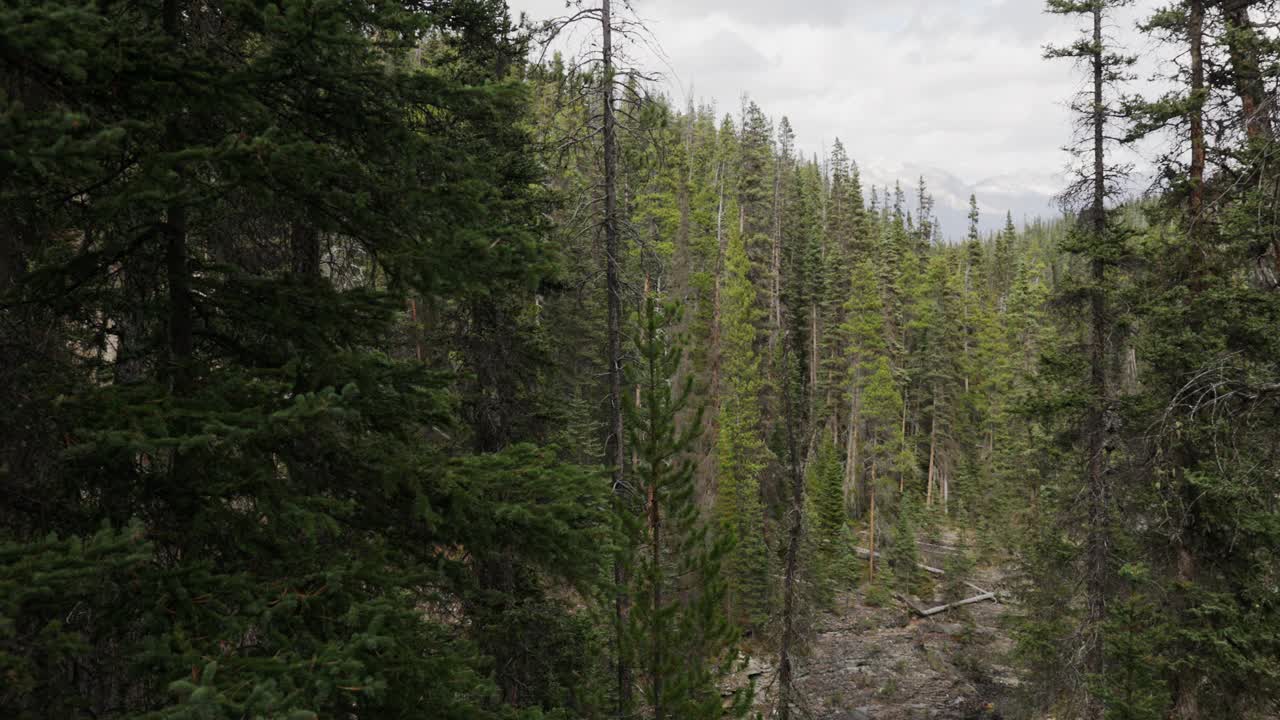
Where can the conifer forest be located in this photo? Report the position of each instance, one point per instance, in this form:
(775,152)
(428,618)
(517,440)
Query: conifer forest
(395,360)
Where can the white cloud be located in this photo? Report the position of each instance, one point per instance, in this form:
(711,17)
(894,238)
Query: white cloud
(926,84)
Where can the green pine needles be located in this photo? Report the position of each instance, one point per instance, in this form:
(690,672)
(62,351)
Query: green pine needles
(679,637)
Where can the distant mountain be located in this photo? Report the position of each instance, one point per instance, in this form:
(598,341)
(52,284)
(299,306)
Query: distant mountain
(1027,195)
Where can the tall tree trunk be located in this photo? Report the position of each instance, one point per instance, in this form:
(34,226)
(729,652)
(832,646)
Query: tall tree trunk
(775,264)
(933,445)
(616,453)
(813,357)
(1195,36)
(851,446)
(1255,110)
(1186,700)
(1186,681)
(1098,536)
(178,275)
(902,475)
(304,250)
(177,272)
(655,556)
(871,557)
(1242,42)
(946,492)
(718,289)
(795,535)
(417,328)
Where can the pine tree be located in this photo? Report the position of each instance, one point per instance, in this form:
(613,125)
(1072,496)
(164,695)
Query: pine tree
(1100,245)
(743,455)
(1002,262)
(679,637)
(863,334)
(903,556)
(829,532)
(882,410)
(258,493)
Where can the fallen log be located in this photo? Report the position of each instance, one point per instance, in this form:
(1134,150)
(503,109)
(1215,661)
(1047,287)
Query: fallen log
(949,606)
(983,591)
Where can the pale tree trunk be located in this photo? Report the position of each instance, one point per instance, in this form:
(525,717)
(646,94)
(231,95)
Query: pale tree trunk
(902,475)
(712,416)
(871,557)
(851,446)
(813,358)
(719,282)
(417,328)
(933,445)
(946,492)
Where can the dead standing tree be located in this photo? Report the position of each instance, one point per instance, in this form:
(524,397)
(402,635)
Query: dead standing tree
(614,79)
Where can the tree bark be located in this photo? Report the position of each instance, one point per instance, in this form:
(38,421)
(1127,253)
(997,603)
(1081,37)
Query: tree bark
(775,265)
(1242,39)
(1186,701)
(616,453)
(304,250)
(902,476)
(851,449)
(1195,36)
(1098,535)
(923,612)
(871,554)
(655,550)
(813,357)
(933,444)
(177,272)
(785,671)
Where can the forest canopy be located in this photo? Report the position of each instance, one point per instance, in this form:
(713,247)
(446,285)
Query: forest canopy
(369,360)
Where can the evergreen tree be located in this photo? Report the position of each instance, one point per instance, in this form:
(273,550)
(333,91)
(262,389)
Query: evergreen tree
(829,532)
(863,333)
(1098,242)
(679,637)
(743,455)
(903,556)
(882,411)
(258,493)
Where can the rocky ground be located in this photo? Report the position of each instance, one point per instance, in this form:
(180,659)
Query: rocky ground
(887,663)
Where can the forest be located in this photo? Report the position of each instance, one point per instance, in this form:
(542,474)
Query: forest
(377,360)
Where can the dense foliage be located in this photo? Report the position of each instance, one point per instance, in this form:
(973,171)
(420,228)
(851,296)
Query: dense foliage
(316,329)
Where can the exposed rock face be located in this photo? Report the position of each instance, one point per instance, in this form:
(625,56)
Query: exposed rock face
(867,663)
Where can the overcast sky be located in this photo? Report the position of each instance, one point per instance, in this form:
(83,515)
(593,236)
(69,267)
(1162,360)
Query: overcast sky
(954,89)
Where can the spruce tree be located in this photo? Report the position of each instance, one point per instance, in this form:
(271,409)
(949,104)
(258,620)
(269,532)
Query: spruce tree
(743,454)
(680,640)
(267,503)
(831,541)
(1098,242)
(882,411)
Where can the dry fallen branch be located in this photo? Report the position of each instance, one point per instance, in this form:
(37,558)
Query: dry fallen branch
(927,612)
